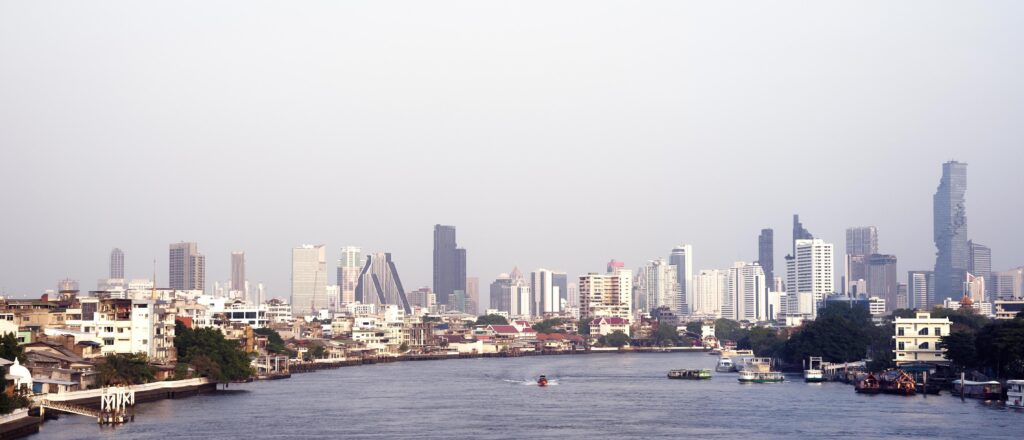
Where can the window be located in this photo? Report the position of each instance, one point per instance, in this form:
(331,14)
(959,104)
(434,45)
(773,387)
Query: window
(923,346)
(899,332)
(108,341)
(901,346)
(923,332)
(938,331)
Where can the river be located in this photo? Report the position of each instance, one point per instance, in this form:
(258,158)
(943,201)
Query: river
(622,395)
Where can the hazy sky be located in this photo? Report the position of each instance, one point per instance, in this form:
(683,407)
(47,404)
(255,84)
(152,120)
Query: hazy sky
(553,134)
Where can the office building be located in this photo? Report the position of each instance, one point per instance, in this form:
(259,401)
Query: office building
(979,264)
(766,252)
(472,295)
(309,279)
(186,267)
(546,298)
(882,279)
(350,265)
(709,289)
(117,264)
(921,289)
(682,258)
(799,232)
(1009,284)
(238,271)
(449,263)
(950,231)
(810,271)
(746,297)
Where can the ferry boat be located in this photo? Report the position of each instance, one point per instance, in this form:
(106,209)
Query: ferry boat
(724,365)
(759,370)
(990,390)
(868,385)
(897,382)
(1015,394)
(690,374)
(542,381)
(813,373)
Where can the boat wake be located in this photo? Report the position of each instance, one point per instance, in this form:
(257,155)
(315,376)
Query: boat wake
(529,382)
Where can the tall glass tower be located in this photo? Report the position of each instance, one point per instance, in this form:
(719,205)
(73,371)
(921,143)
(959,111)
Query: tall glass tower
(950,232)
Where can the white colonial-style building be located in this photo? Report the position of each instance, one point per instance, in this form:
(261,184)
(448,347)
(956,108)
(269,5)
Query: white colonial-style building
(917,339)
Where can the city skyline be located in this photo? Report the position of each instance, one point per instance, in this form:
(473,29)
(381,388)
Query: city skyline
(552,112)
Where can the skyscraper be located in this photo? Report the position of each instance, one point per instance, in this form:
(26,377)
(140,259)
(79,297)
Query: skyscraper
(709,289)
(799,233)
(561,282)
(979,264)
(309,279)
(545,296)
(472,295)
(238,271)
(117,264)
(449,263)
(606,295)
(659,287)
(882,279)
(809,274)
(349,266)
(520,299)
(766,252)
(379,283)
(186,267)
(682,258)
(950,232)
(746,296)
(920,289)
(862,240)
(501,293)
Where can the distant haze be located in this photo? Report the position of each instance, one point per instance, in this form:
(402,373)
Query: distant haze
(551,134)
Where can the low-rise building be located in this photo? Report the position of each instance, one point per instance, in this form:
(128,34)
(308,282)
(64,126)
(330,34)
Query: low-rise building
(917,339)
(608,325)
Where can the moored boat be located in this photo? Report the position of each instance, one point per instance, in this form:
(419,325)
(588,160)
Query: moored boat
(813,373)
(690,374)
(868,385)
(759,370)
(990,390)
(1015,394)
(724,365)
(897,382)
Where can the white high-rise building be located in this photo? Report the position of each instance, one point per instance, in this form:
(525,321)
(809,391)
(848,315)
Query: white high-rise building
(349,266)
(606,295)
(746,297)
(709,288)
(520,299)
(810,274)
(309,279)
(659,287)
(546,298)
(682,258)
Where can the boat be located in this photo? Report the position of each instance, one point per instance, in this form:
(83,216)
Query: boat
(1015,394)
(813,373)
(724,365)
(759,370)
(868,385)
(990,390)
(897,382)
(690,374)
(542,381)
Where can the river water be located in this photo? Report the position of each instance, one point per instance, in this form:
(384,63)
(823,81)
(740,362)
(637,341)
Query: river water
(622,395)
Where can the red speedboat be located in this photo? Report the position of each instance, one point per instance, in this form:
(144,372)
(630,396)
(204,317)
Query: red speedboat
(542,381)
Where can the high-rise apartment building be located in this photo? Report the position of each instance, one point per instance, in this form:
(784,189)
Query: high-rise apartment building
(449,263)
(810,274)
(117,264)
(979,264)
(606,295)
(709,289)
(746,297)
(950,231)
(766,252)
(186,267)
(238,271)
(379,283)
(920,289)
(657,286)
(350,265)
(309,279)
(545,294)
(682,258)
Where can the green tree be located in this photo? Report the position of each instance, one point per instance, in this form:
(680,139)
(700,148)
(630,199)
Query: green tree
(964,318)
(961,349)
(547,326)
(9,348)
(695,327)
(666,336)
(491,320)
(211,354)
(764,341)
(125,369)
(999,348)
(615,339)
(275,344)
(839,334)
(729,330)
(583,327)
